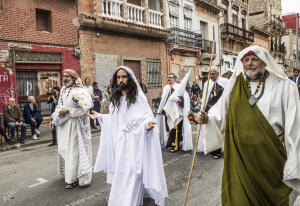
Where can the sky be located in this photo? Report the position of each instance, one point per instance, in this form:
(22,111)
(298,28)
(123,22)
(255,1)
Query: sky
(289,6)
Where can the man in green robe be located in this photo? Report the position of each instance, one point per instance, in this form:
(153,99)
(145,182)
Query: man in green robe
(257,122)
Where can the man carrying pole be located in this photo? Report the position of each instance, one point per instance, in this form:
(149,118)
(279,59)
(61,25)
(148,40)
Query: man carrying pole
(256,119)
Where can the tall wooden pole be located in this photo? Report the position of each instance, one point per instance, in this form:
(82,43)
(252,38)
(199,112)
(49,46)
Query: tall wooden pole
(199,128)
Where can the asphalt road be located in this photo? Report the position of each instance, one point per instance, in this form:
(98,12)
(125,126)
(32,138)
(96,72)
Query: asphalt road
(28,177)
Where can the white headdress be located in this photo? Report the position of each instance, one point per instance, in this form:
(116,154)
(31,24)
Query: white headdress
(140,96)
(265,56)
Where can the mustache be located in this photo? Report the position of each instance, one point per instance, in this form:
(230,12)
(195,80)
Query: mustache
(120,87)
(67,82)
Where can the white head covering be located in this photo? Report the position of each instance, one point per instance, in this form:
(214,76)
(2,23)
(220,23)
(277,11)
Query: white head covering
(140,96)
(265,56)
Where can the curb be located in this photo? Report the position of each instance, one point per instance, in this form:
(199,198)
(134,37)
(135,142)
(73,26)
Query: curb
(45,140)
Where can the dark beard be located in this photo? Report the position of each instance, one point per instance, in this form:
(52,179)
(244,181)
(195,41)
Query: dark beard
(121,87)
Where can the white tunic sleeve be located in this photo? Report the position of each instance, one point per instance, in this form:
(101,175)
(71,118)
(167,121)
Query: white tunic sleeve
(214,130)
(291,108)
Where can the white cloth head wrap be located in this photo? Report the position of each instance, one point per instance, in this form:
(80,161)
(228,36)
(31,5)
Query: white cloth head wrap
(264,55)
(140,96)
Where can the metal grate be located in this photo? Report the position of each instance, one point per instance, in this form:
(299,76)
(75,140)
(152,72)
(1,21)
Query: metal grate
(154,73)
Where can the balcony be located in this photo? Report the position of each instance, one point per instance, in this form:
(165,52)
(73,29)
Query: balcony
(278,48)
(279,22)
(190,39)
(229,29)
(116,9)
(213,4)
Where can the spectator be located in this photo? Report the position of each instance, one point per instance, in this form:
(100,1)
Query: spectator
(96,100)
(196,89)
(2,132)
(143,86)
(295,78)
(87,85)
(195,105)
(13,118)
(53,99)
(32,116)
(109,92)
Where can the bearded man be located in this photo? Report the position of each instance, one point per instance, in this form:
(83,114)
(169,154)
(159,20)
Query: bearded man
(73,133)
(215,90)
(129,149)
(259,116)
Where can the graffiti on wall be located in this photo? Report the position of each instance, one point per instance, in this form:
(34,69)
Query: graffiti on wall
(5,91)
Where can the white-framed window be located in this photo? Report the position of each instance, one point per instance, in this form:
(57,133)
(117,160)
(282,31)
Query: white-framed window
(187,24)
(187,19)
(174,22)
(174,14)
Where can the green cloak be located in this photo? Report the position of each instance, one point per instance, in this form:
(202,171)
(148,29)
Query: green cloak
(254,157)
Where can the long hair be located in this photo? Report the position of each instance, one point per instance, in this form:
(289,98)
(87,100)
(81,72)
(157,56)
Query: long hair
(117,92)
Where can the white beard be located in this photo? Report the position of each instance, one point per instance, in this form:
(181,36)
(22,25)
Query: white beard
(255,75)
(68,83)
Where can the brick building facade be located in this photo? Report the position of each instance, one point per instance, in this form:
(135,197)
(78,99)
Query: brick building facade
(126,32)
(37,42)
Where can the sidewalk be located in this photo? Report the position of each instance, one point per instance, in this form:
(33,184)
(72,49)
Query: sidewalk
(44,137)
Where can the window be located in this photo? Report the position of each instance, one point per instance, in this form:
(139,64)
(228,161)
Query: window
(154,73)
(203,29)
(244,21)
(187,19)
(173,14)
(225,13)
(174,21)
(187,24)
(1,4)
(43,20)
(235,17)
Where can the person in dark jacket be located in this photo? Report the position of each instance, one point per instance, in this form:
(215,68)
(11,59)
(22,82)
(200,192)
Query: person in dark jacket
(53,99)
(196,89)
(13,118)
(97,102)
(2,132)
(296,78)
(143,86)
(32,116)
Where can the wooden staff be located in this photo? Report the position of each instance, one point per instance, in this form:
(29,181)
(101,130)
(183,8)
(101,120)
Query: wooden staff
(199,128)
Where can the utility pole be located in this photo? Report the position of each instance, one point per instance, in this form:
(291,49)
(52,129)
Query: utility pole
(297,47)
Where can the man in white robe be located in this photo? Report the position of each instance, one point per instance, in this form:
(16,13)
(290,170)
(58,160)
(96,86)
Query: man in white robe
(130,151)
(73,133)
(215,90)
(257,120)
(173,110)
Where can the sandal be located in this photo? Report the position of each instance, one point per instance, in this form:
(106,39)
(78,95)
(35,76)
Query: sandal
(71,186)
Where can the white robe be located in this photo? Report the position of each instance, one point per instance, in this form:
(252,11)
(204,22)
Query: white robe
(187,143)
(131,156)
(281,107)
(222,82)
(67,139)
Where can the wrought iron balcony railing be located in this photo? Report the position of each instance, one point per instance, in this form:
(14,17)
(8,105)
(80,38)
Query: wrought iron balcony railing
(188,38)
(278,47)
(229,29)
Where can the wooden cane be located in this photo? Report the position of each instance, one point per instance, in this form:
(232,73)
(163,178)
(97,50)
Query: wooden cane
(199,128)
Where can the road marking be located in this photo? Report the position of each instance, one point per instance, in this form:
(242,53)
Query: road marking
(176,159)
(40,181)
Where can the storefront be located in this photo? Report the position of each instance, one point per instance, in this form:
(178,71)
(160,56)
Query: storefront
(37,71)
